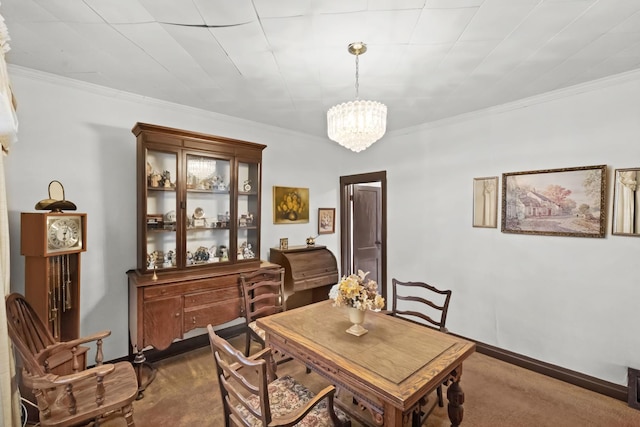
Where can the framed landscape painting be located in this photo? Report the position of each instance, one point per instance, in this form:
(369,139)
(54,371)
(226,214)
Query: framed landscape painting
(555,202)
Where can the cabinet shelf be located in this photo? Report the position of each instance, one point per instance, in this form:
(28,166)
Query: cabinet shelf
(190,228)
(149,188)
(206,191)
(161,230)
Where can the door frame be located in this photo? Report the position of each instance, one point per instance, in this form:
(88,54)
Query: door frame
(346,226)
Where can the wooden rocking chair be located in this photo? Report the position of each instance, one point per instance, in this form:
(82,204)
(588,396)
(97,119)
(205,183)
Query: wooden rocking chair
(68,399)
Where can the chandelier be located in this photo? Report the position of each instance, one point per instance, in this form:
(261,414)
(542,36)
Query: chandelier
(357,124)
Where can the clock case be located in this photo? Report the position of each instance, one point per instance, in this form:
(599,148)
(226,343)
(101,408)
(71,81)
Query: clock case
(41,268)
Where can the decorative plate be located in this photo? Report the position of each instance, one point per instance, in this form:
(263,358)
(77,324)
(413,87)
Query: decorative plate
(170,216)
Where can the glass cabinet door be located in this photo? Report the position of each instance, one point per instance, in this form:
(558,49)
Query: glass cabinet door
(208,210)
(198,205)
(161,208)
(247,245)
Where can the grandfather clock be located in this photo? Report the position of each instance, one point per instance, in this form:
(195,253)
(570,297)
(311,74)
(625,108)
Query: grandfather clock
(51,243)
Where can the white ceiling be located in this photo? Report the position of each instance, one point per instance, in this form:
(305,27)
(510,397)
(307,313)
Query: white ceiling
(285,62)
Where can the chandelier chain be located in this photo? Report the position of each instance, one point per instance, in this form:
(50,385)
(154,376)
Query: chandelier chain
(357,76)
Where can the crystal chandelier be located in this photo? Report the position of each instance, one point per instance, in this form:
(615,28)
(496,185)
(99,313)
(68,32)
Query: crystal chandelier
(357,124)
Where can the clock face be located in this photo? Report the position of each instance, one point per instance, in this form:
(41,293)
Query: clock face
(64,233)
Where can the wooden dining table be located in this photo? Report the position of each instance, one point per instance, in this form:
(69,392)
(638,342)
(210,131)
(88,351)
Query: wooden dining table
(390,370)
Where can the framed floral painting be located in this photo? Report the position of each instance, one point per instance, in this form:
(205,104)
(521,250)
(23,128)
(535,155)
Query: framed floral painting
(290,205)
(555,202)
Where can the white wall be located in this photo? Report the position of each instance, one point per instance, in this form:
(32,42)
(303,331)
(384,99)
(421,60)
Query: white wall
(563,300)
(569,301)
(80,134)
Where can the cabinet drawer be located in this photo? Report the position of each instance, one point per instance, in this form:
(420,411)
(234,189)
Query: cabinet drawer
(215,314)
(213,283)
(215,296)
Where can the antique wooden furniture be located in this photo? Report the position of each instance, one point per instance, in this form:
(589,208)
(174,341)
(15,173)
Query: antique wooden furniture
(388,372)
(309,273)
(251,395)
(51,243)
(79,397)
(263,294)
(198,230)
(425,303)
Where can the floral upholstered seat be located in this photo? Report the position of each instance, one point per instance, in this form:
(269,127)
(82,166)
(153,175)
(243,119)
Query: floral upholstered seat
(253,396)
(287,395)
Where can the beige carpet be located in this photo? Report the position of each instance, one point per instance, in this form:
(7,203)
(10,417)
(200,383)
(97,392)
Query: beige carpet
(185,393)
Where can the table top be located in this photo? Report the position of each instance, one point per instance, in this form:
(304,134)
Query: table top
(398,360)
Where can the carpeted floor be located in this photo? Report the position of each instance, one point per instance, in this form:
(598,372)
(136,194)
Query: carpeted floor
(185,393)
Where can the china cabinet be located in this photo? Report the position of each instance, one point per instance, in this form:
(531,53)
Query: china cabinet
(198,228)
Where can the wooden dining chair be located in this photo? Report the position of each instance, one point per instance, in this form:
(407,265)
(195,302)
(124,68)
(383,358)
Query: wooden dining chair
(253,396)
(421,303)
(263,293)
(68,398)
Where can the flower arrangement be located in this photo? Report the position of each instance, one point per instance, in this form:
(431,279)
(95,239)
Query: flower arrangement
(356,291)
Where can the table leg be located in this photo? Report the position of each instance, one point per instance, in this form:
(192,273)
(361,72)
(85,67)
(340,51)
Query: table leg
(455,395)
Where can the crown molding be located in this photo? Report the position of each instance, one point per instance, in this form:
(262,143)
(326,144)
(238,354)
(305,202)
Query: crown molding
(590,86)
(17,70)
(554,95)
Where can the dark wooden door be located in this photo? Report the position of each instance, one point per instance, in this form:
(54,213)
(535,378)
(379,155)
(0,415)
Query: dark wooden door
(367,231)
(363,245)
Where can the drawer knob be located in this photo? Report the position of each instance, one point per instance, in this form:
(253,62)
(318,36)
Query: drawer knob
(193,320)
(178,314)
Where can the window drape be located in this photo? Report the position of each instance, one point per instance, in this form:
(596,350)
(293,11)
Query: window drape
(9,400)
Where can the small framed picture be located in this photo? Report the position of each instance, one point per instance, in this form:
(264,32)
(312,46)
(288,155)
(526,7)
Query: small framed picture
(326,220)
(284,244)
(626,202)
(485,202)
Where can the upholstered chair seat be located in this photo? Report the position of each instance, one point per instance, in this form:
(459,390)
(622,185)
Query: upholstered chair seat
(286,395)
(252,394)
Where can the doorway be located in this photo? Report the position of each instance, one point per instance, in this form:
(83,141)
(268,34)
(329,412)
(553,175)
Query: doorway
(363,226)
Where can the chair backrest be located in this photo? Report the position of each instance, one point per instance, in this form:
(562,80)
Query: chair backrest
(263,292)
(29,334)
(242,380)
(421,301)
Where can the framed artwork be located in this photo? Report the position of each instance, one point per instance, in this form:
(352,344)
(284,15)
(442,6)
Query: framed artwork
(326,220)
(290,205)
(626,202)
(284,244)
(555,202)
(485,202)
